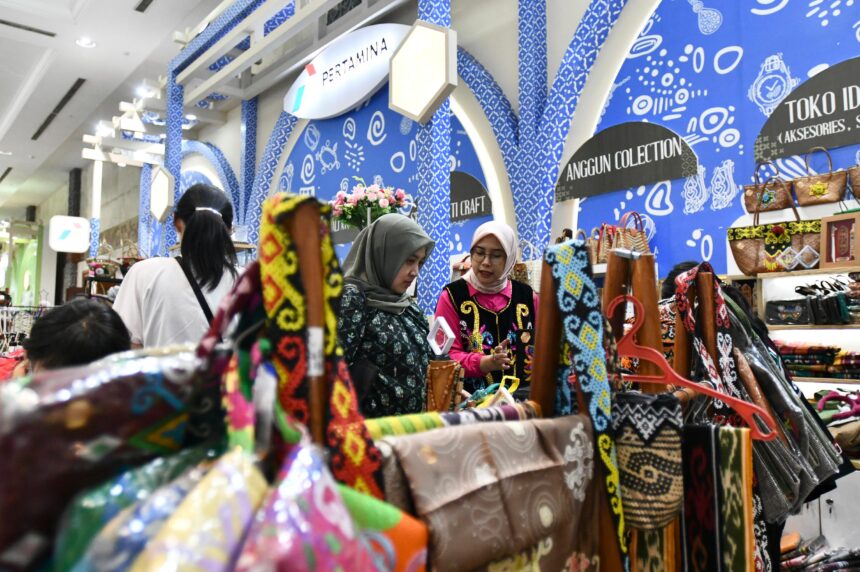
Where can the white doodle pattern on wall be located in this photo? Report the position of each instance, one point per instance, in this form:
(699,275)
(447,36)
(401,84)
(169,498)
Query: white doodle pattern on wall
(308,167)
(327,157)
(311,137)
(717,90)
(376,130)
(285,183)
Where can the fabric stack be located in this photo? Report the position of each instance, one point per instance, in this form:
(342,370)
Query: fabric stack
(853,294)
(846,365)
(808,360)
(815,555)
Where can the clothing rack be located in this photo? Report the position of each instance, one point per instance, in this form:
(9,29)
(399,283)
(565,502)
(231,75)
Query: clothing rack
(15,324)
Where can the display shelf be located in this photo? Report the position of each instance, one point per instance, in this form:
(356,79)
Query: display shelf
(778,327)
(826,380)
(817,271)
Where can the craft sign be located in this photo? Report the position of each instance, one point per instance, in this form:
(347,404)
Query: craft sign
(469,198)
(346,73)
(822,111)
(624,156)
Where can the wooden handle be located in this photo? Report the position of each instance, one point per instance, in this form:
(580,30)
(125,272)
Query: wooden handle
(615,285)
(650,334)
(547,343)
(304,228)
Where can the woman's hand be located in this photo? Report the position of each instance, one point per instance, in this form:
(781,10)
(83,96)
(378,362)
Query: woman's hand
(499,360)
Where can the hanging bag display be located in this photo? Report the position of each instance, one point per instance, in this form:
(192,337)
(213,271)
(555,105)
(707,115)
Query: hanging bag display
(820,189)
(776,247)
(773,195)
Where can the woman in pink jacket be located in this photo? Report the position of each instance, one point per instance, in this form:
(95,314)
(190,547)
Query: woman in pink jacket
(493,316)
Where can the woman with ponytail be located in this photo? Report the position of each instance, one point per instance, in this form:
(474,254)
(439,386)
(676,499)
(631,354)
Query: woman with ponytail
(165,301)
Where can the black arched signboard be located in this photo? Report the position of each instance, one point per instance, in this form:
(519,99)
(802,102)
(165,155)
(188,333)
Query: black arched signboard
(822,111)
(624,156)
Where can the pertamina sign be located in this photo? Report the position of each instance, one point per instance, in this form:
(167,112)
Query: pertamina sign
(345,73)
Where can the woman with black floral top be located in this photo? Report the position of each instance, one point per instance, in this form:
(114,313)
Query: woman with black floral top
(383,333)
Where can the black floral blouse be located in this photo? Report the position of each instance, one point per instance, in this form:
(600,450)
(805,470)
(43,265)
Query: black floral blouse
(396,344)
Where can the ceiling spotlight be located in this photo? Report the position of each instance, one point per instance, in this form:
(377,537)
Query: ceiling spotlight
(85,42)
(7,153)
(191,117)
(104,129)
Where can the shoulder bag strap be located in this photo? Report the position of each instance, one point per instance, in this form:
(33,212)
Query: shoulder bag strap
(197,291)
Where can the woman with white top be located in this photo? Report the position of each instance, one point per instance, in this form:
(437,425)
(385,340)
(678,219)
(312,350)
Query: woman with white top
(166,301)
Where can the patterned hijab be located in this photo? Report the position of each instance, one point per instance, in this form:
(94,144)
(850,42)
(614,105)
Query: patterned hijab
(505,235)
(377,255)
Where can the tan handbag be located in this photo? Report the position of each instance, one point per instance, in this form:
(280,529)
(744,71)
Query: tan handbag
(443,385)
(820,189)
(854,180)
(768,197)
(623,236)
(776,247)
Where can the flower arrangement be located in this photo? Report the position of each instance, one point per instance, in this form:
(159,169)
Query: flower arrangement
(364,204)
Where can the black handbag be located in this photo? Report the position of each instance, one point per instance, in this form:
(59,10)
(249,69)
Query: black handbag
(789,312)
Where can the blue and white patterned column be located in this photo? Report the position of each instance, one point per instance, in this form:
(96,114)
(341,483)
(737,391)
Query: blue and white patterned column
(249,156)
(434,180)
(173,151)
(526,178)
(144,219)
(95,229)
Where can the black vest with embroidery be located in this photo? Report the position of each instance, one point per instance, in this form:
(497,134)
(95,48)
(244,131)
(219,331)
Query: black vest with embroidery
(481,330)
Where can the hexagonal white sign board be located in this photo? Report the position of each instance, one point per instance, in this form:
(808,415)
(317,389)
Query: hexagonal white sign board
(423,71)
(161,193)
(69,234)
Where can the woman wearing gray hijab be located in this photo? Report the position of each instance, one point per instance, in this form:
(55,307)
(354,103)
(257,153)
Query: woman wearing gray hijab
(382,331)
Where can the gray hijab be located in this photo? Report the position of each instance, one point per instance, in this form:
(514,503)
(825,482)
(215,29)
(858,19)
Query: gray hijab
(377,255)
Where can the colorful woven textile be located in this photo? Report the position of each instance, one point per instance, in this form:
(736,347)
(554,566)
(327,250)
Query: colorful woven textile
(583,355)
(726,380)
(420,422)
(703,531)
(92,509)
(119,543)
(354,458)
(303,525)
(647,432)
(736,485)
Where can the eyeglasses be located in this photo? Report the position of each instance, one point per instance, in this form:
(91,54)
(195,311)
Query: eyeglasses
(479,254)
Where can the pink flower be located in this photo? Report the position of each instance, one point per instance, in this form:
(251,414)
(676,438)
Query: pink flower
(399,195)
(372,195)
(373,189)
(353,200)
(340,195)
(358,195)
(337,211)
(384,203)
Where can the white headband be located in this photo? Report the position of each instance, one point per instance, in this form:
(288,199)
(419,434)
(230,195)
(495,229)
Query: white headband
(210,209)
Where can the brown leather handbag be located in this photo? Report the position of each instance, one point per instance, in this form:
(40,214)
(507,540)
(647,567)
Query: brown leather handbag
(623,236)
(822,188)
(443,385)
(773,195)
(776,247)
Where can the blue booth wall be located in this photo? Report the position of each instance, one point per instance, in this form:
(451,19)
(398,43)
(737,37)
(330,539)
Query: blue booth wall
(707,80)
(378,145)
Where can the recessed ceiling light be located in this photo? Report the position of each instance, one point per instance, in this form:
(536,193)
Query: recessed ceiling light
(85,42)
(7,153)
(191,117)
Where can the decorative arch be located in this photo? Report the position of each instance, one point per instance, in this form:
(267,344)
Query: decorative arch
(266,172)
(225,172)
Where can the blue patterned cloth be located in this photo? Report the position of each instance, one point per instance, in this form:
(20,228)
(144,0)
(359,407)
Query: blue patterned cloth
(584,357)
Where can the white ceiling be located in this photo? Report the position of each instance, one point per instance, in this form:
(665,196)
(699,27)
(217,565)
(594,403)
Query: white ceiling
(37,70)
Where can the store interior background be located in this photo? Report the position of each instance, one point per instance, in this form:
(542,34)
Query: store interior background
(689,217)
